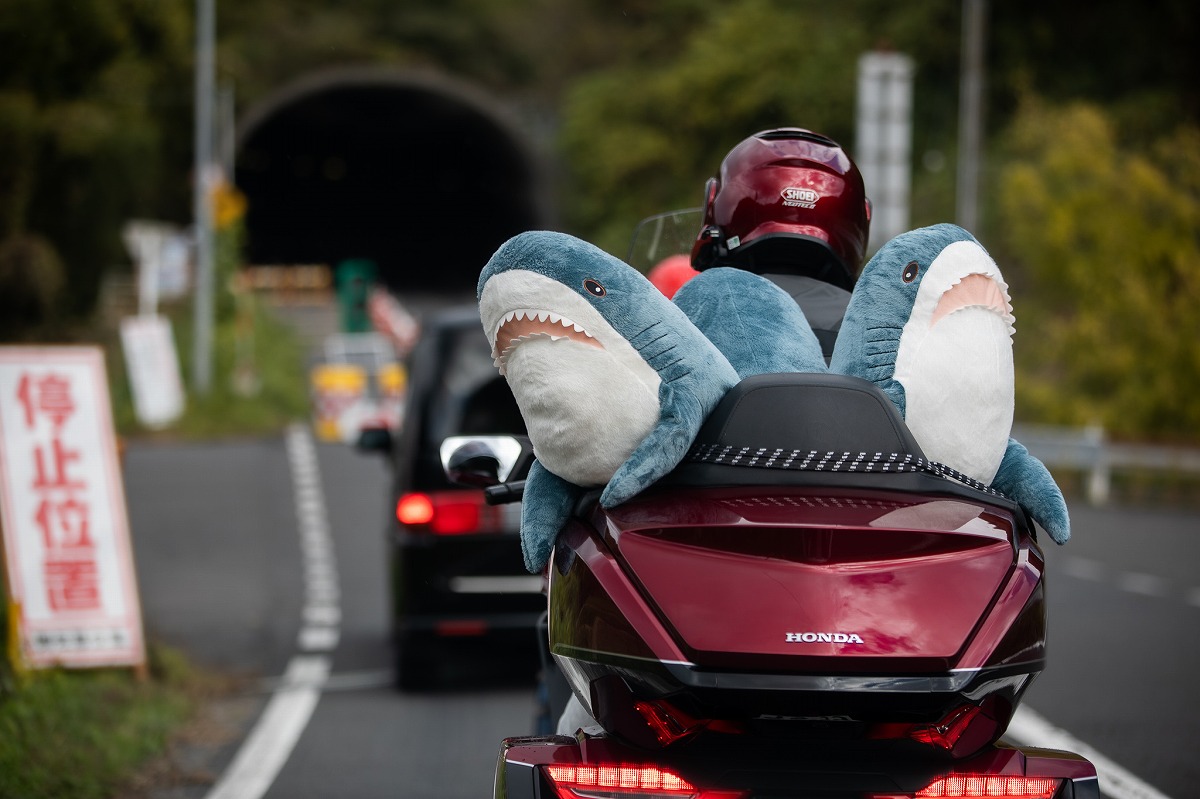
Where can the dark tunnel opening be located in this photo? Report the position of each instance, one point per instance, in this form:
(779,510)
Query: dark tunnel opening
(423,183)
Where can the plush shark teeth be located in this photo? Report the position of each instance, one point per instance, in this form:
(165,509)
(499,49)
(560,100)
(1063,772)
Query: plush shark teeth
(975,291)
(522,325)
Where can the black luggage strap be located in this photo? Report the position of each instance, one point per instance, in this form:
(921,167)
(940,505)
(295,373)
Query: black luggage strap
(814,461)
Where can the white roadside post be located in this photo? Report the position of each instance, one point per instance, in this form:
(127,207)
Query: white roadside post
(883,146)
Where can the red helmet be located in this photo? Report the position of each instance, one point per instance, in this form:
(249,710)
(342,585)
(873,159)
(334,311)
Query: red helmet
(786,200)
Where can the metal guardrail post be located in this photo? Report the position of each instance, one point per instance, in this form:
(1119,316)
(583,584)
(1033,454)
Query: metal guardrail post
(1089,451)
(1100,475)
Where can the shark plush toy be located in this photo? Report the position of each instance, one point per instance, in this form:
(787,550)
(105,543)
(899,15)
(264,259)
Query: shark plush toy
(930,323)
(612,379)
(755,324)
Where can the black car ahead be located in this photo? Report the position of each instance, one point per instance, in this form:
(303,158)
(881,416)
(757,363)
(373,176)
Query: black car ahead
(460,591)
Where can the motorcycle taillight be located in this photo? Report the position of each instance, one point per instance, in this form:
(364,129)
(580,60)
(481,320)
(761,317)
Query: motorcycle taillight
(961,733)
(626,781)
(670,724)
(994,786)
(450,513)
(990,785)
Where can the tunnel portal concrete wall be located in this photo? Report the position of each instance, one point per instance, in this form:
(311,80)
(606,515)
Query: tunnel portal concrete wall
(419,173)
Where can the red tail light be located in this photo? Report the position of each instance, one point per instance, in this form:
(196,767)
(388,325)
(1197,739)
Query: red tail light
(626,781)
(414,509)
(451,513)
(962,732)
(947,733)
(670,724)
(990,785)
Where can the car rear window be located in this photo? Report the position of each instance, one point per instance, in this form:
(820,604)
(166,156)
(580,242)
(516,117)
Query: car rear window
(468,397)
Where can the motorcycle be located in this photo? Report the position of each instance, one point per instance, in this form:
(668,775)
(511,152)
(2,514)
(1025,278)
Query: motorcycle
(805,607)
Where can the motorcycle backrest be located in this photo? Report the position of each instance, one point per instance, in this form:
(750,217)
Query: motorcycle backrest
(804,413)
(808,412)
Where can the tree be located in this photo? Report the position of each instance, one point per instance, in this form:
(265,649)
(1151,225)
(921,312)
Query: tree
(640,140)
(86,137)
(1107,240)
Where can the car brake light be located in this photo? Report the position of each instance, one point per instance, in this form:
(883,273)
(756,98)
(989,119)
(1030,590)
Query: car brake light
(626,781)
(460,628)
(414,509)
(449,513)
(994,786)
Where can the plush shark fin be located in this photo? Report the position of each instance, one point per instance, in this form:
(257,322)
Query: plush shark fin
(1026,480)
(548,502)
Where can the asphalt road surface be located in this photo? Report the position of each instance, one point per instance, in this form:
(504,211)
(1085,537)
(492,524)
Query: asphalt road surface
(226,573)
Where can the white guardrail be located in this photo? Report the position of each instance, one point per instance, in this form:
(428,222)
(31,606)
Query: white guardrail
(1088,450)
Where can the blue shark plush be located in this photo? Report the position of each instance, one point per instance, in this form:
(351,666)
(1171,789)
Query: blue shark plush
(755,324)
(930,323)
(612,379)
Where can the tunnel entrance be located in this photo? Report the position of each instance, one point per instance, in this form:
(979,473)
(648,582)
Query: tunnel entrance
(416,175)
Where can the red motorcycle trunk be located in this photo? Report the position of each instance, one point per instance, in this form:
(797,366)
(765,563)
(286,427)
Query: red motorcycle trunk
(783,580)
(881,595)
(799,604)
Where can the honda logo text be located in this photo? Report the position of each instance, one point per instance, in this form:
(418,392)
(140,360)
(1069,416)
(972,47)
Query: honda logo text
(823,638)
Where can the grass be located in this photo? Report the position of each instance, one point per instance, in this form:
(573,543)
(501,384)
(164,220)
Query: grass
(280,397)
(78,734)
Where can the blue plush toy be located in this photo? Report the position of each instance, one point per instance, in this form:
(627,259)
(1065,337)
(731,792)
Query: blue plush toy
(930,323)
(612,379)
(755,324)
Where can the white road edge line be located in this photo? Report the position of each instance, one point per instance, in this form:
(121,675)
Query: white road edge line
(1029,729)
(270,743)
(274,735)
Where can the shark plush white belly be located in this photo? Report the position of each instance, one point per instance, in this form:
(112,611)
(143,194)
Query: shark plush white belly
(955,361)
(612,379)
(931,324)
(579,391)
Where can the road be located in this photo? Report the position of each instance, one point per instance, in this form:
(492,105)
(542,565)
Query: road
(1124,648)
(222,569)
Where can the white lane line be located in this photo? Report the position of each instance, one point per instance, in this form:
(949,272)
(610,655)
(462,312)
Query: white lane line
(1150,585)
(1029,729)
(1085,569)
(295,696)
(318,639)
(1144,584)
(270,742)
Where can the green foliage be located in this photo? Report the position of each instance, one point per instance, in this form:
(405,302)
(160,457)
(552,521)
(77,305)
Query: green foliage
(87,118)
(534,46)
(640,141)
(1107,240)
(77,734)
(644,98)
(31,282)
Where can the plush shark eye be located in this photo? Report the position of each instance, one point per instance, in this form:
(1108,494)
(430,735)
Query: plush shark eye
(910,272)
(594,288)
